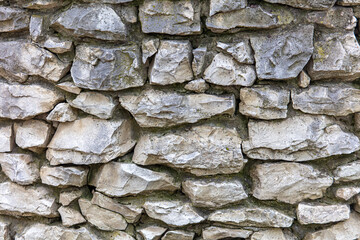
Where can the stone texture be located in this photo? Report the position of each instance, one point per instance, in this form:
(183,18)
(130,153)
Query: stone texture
(26,101)
(288,182)
(70,216)
(348,2)
(172,63)
(4,231)
(303,80)
(156,108)
(107,1)
(306,4)
(178,235)
(264,102)
(149,47)
(214,194)
(334,18)
(152,232)
(174,213)
(77,142)
(62,112)
(20,168)
(37,27)
(200,150)
(226,6)
(7,138)
(170,17)
(198,86)
(270,234)
(69,87)
(240,50)
(198,62)
(68,195)
(101,218)
(13,19)
(129,179)
(321,214)
(64,176)
(251,217)
(93,21)
(58,45)
(284,54)
(225,70)
(347,172)
(299,142)
(18,200)
(42,4)
(107,68)
(215,233)
(346,193)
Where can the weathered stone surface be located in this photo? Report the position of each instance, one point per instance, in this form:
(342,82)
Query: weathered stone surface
(226,5)
(131,213)
(346,193)
(42,4)
(27,201)
(129,179)
(170,17)
(213,194)
(215,233)
(348,229)
(299,142)
(240,50)
(225,70)
(149,47)
(336,17)
(58,45)
(348,2)
(336,55)
(264,102)
(7,137)
(306,4)
(107,1)
(152,232)
(303,79)
(200,150)
(37,27)
(284,54)
(25,101)
(198,62)
(172,63)
(68,195)
(155,108)
(198,86)
(69,87)
(107,68)
(101,218)
(288,182)
(4,231)
(70,216)
(321,214)
(64,176)
(178,235)
(174,213)
(77,142)
(94,21)
(62,112)
(256,217)
(13,19)
(20,168)
(256,16)
(270,234)
(347,172)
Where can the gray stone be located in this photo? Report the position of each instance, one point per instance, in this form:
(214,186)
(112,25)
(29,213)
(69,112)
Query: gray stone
(321,214)
(18,200)
(303,80)
(172,63)
(107,1)
(58,45)
(156,108)
(225,70)
(334,18)
(214,194)
(346,193)
(198,86)
(178,235)
(20,168)
(107,68)
(215,233)
(306,4)
(13,19)
(240,50)
(78,142)
(170,17)
(62,112)
(200,150)
(7,138)
(94,21)
(348,2)
(37,27)
(149,47)
(264,102)
(42,4)
(64,176)
(347,172)
(129,179)
(251,217)
(173,213)
(129,13)
(68,195)
(270,234)
(288,182)
(284,54)
(70,216)
(217,6)
(198,62)
(152,232)
(299,142)
(69,87)
(4,231)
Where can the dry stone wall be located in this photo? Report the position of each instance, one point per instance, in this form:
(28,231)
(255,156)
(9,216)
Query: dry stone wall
(179,119)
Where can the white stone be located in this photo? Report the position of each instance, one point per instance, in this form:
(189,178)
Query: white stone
(13,19)
(240,50)
(178,235)
(69,87)
(303,79)
(198,86)
(226,5)
(198,62)
(64,176)
(149,47)
(70,216)
(346,193)
(347,172)
(58,45)
(321,213)
(271,234)
(6,137)
(68,195)
(4,231)
(152,232)
(216,233)
(62,112)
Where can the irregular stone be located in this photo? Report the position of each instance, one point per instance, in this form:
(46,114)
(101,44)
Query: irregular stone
(42,4)
(198,86)
(336,56)
(13,19)
(198,62)
(20,59)
(129,179)
(131,213)
(226,5)
(4,231)
(62,112)
(348,2)
(64,176)
(129,13)
(170,17)
(70,216)
(149,47)
(152,232)
(298,142)
(269,234)
(200,150)
(225,71)
(69,87)
(93,21)
(321,214)
(213,194)
(32,134)
(108,68)
(37,27)
(357,122)
(357,203)
(20,168)
(69,195)
(6,137)
(18,200)
(306,4)
(251,217)
(255,16)
(336,17)
(348,229)
(178,235)
(288,182)
(283,54)
(347,172)
(57,45)
(173,213)
(107,1)
(264,102)
(101,218)
(77,142)
(241,51)
(303,80)
(215,233)
(346,193)
(155,108)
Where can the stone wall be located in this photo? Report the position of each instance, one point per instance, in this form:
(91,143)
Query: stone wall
(179,119)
